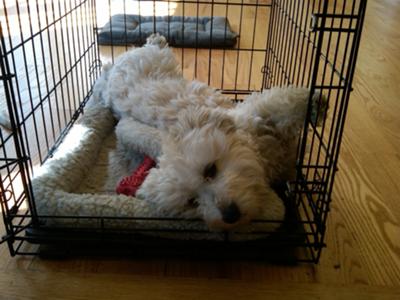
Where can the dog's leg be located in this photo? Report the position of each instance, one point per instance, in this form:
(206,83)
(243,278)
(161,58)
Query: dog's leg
(156,39)
(101,86)
(282,108)
(142,81)
(139,137)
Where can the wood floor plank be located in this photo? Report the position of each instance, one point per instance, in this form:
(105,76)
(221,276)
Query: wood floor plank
(62,285)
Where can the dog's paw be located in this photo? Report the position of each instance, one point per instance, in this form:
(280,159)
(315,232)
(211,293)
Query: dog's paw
(157,40)
(319,108)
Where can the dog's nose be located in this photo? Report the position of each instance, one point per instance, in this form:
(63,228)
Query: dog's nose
(231,213)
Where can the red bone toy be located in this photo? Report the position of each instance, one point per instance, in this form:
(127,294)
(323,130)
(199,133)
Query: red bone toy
(130,184)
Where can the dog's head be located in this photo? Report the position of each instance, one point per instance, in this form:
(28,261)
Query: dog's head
(211,170)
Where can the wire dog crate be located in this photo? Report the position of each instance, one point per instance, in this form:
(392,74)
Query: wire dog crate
(50,58)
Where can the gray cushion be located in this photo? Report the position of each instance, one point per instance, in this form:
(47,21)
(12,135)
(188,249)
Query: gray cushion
(180,31)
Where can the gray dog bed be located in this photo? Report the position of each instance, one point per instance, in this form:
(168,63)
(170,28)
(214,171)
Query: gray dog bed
(204,32)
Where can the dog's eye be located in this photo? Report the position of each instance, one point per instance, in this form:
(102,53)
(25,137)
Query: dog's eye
(192,203)
(210,171)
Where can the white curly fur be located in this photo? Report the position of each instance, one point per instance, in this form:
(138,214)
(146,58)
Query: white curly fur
(188,127)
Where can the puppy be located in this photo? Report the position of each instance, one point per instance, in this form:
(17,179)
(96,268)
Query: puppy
(216,160)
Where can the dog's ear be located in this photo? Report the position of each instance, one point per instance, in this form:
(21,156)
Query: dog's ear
(200,117)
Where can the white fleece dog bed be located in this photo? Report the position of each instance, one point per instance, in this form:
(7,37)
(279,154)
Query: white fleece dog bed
(80,181)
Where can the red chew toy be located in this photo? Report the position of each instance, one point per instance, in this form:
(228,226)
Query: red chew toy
(130,184)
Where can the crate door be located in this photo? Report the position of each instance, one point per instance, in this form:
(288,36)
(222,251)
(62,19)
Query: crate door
(315,44)
(17,207)
(49,64)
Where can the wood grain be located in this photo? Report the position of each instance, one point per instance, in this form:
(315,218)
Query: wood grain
(362,260)
(66,285)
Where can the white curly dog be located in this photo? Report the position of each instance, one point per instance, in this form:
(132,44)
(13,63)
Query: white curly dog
(216,160)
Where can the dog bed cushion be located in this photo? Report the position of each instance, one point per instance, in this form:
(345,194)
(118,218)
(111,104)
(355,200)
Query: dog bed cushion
(80,181)
(180,31)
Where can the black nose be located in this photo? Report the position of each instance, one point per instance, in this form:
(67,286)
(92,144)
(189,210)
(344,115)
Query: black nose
(231,213)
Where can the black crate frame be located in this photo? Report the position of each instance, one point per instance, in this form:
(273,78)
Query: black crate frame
(308,43)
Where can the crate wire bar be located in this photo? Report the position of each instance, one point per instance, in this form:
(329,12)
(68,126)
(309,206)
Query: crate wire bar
(50,59)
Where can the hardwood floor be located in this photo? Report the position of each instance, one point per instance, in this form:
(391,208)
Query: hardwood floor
(362,259)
